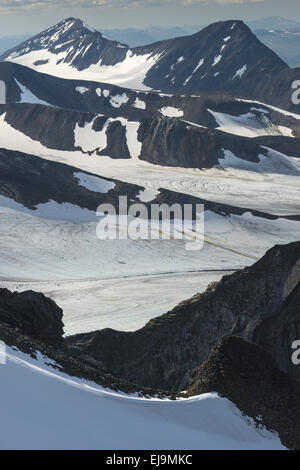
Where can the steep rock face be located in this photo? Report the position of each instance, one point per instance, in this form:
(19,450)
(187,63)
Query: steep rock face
(170,347)
(42,124)
(33,314)
(224,55)
(278,333)
(248,376)
(171,142)
(61,129)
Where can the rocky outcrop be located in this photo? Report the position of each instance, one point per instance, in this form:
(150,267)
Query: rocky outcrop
(249,377)
(33,314)
(167,350)
(277,333)
(171,142)
(33,323)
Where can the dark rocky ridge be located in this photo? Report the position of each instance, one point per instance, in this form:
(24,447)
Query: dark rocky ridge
(165,141)
(34,314)
(248,376)
(167,350)
(30,181)
(169,197)
(242,48)
(267,78)
(170,142)
(81,367)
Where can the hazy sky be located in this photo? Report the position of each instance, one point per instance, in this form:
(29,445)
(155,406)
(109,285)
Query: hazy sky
(18,16)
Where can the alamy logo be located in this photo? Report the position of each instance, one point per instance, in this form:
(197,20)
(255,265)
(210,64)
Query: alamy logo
(2,353)
(152,222)
(296,354)
(2,92)
(296,94)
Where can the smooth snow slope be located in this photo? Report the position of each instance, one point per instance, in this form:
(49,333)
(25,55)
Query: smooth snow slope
(249,125)
(42,408)
(130,73)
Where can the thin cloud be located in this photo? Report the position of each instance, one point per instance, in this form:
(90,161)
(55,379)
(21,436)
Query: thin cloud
(8,6)
(222,2)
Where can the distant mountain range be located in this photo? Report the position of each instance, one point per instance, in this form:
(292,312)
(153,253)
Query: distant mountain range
(8,42)
(279,34)
(275,22)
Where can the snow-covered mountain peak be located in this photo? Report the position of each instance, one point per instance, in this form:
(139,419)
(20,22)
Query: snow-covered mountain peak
(68,29)
(232,26)
(70,42)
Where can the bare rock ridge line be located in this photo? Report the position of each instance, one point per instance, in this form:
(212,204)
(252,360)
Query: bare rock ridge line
(30,181)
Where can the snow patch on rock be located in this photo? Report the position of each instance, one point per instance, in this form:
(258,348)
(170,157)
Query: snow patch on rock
(118,100)
(82,89)
(94,183)
(139,104)
(239,73)
(28,97)
(217,60)
(170,111)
